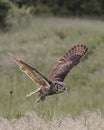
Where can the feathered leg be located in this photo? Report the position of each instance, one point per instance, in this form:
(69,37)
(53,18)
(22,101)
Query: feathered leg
(40,99)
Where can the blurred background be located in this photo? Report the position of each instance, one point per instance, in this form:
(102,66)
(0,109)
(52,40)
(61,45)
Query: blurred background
(40,32)
(19,9)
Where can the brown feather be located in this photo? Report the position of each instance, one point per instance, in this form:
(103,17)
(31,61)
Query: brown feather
(32,73)
(67,62)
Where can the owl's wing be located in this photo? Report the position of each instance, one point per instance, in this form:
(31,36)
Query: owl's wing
(32,73)
(67,62)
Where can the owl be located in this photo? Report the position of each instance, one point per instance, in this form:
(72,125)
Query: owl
(54,84)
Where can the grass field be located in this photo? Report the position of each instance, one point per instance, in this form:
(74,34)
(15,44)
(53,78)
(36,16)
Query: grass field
(40,42)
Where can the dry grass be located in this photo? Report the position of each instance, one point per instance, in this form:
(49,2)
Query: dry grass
(89,121)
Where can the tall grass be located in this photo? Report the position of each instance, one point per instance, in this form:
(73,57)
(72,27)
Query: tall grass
(40,42)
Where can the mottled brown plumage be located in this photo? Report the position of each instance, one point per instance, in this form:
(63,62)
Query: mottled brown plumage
(54,84)
(67,62)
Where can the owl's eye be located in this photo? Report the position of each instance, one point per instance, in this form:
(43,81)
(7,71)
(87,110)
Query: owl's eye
(59,86)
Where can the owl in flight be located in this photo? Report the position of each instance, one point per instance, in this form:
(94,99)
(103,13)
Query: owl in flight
(54,84)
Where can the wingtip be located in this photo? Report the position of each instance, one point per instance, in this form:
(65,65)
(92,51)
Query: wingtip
(14,58)
(9,53)
(84,46)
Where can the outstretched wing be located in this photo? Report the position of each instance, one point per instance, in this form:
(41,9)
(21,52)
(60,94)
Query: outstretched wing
(67,62)
(32,73)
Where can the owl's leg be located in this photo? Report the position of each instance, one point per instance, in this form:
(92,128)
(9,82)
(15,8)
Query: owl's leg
(37,90)
(41,97)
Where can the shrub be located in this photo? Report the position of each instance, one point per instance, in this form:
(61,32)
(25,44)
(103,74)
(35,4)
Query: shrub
(4,8)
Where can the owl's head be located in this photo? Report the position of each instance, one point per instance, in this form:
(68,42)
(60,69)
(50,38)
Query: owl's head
(60,87)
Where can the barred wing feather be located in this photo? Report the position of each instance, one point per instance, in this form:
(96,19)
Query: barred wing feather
(67,62)
(32,73)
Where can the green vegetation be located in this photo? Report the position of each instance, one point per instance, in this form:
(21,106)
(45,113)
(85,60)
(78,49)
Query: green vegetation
(4,8)
(45,8)
(63,8)
(40,42)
